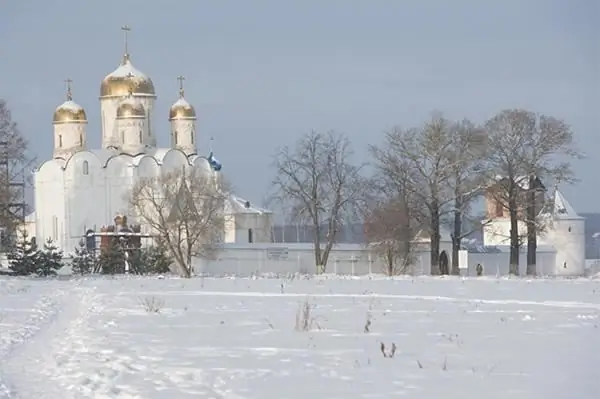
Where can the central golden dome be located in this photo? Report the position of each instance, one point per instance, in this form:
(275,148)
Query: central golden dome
(125,78)
(129,108)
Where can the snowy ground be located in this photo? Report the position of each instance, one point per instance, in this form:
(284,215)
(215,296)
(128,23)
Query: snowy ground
(236,338)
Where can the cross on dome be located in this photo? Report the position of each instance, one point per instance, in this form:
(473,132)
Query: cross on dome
(126,29)
(181,90)
(68,82)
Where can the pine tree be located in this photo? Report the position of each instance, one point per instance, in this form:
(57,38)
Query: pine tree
(24,256)
(50,259)
(112,258)
(83,261)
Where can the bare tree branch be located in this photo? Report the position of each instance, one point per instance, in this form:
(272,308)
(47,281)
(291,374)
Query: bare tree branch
(524,149)
(423,154)
(320,184)
(186,211)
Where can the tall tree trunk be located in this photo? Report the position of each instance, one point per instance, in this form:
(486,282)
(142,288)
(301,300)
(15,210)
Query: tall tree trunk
(406,239)
(435,240)
(531,228)
(514,235)
(456,236)
(317,249)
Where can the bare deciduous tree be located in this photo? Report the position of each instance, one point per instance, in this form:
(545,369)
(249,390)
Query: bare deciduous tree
(393,215)
(186,211)
(390,231)
(317,180)
(13,151)
(525,148)
(425,153)
(466,156)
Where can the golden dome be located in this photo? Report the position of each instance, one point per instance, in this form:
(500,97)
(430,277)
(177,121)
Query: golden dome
(124,78)
(182,110)
(129,108)
(69,112)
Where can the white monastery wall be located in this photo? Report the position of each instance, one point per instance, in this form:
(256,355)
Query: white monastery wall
(49,200)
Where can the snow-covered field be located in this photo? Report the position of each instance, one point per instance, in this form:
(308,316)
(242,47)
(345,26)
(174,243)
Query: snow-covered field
(236,338)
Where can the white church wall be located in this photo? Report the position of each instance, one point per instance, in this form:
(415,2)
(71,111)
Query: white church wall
(85,201)
(350,259)
(497,264)
(147,166)
(259,224)
(108,109)
(568,236)
(148,103)
(108,115)
(133,134)
(183,135)
(288,258)
(49,200)
(498,232)
(119,180)
(68,138)
(174,160)
(201,164)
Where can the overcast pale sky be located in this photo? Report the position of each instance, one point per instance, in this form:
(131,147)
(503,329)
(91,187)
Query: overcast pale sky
(260,73)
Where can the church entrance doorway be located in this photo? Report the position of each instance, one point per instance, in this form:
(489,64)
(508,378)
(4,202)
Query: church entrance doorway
(444,263)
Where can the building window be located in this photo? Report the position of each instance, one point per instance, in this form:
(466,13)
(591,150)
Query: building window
(499,209)
(193,134)
(122,136)
(569,229)
(86,168)
(80,138)
(175,136)
(60,140)
(140,136)
(250,238)
(149,119)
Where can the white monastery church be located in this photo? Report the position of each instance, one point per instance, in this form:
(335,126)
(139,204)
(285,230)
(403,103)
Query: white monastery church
(82,188)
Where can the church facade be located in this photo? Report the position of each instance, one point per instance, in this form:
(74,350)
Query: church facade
(82,189)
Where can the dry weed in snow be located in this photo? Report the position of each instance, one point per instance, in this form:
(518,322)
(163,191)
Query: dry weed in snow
(152,304)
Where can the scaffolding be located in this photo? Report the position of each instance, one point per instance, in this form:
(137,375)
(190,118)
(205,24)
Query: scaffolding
(12,197)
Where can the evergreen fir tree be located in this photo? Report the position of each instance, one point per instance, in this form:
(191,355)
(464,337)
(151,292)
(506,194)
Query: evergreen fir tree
(158,260)
(83,261)
(112,258)
(50,259)
(24,256)
(150,260)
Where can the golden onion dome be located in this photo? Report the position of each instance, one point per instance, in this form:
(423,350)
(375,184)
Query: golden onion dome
(119,82)
(130,108)
(69,111)
(181,109)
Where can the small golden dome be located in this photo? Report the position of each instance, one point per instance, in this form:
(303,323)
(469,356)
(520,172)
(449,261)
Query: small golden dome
(69,112)
(129,108)
(124,78)
(182,110)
